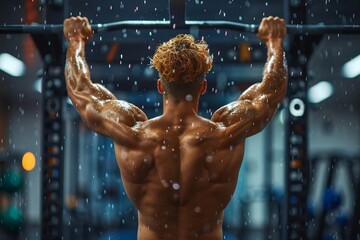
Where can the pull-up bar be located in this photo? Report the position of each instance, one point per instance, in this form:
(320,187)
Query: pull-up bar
(140,24)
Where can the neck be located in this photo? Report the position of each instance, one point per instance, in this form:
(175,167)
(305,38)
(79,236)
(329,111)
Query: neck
(180,109)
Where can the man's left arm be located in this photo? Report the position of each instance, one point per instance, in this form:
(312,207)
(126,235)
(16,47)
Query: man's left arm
(256,106)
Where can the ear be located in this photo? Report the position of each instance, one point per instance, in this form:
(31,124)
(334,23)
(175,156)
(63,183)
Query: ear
(159,87)
(203,87)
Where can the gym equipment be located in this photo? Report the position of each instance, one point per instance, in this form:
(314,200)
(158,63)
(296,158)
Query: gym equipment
(10,181)
(142,24)
(332,199)
(11,219)
(332,217)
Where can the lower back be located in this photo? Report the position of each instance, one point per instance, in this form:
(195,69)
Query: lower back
(174,231)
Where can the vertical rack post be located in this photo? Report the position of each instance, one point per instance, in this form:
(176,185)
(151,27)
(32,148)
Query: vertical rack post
(50,47)
(355,223)
(52,155)
(295,218)
(177,13)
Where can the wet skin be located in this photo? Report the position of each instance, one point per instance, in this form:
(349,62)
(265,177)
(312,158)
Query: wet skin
(179,169)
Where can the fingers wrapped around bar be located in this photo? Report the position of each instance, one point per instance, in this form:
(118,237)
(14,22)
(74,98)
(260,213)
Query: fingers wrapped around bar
(77,28)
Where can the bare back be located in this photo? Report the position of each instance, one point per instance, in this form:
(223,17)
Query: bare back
(181,177)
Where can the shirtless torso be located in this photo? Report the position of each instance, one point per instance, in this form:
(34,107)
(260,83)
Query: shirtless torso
(186,171)
(179,169)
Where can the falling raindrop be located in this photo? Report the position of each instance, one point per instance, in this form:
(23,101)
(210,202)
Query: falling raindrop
(209,158)
(176,186)
(165,183)
(189,97)
(197,209)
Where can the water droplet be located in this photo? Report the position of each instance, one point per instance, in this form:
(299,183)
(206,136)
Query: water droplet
(176,186)
(209,158)
(197,209)
(189,97)
(165,183)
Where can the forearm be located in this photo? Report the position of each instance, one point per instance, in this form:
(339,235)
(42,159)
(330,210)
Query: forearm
(275,71)
(76,70)
(80,88)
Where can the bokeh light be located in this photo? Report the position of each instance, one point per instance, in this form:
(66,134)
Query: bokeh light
(28,161)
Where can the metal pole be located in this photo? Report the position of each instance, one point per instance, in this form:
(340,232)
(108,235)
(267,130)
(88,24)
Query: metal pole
(142,24)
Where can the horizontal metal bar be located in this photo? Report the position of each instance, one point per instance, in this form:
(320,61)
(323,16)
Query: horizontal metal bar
(131,24)
(291,29)
(241,27)
(107,27)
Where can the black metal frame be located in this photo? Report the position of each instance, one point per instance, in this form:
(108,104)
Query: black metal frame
(52,155)
(50,47)
(355,224)
(177,20)
(295,219)
(142,24)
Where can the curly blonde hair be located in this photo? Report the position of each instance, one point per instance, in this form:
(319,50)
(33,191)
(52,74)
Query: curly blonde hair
(182,60)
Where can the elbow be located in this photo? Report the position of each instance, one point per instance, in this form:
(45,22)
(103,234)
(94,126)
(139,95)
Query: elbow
(86,110)
(78,101)
(90,118)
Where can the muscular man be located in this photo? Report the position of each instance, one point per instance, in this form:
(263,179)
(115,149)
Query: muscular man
(179,169)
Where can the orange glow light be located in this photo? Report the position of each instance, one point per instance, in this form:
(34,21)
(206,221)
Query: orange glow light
(28,161)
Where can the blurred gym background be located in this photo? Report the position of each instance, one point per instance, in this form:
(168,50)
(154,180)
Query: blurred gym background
(40,128)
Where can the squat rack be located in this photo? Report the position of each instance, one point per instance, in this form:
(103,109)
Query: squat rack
(295,214)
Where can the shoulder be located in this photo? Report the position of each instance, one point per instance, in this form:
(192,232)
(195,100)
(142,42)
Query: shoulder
(130,109)
(233,112)
(236,118)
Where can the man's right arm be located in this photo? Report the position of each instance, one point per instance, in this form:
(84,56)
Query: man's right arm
(98,107)
(256,106)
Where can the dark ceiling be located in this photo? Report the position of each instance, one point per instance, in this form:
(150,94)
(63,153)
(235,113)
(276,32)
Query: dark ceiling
(129,70)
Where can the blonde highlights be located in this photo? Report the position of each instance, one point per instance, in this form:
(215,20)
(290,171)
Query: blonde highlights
(182,60)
